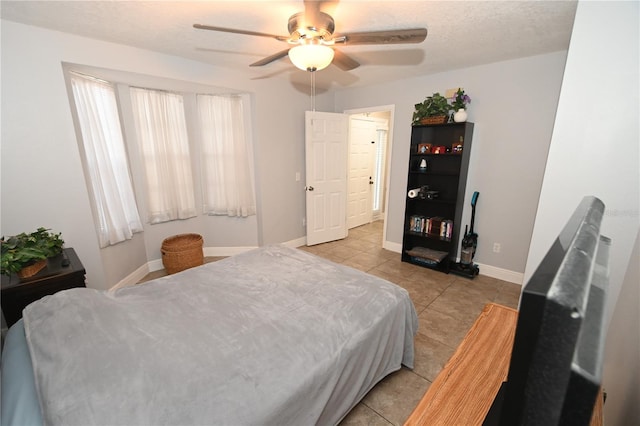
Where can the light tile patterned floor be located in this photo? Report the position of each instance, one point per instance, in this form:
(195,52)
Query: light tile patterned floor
(447,306)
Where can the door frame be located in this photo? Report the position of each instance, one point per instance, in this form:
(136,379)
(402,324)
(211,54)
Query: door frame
(391,110)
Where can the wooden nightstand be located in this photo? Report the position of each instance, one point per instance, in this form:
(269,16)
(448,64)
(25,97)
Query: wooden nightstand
(18,293)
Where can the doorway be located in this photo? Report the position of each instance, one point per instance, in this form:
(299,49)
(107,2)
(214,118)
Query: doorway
(370,144)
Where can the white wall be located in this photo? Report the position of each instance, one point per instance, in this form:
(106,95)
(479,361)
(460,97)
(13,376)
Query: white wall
(595,151)
(513,107)
(42,180)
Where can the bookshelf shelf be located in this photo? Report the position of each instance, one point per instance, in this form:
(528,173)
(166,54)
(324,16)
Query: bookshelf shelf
(429,236)
(434,201)
(433,173)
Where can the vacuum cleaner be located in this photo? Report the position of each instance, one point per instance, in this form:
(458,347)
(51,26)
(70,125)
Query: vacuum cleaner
(466,267)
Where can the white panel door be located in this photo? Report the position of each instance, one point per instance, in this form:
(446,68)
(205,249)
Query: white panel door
(326,137)
(362,138)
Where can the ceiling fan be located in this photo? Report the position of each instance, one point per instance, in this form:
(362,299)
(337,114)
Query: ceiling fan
(312,40)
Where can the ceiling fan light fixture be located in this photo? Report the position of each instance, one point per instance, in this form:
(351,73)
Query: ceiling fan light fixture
(311,57)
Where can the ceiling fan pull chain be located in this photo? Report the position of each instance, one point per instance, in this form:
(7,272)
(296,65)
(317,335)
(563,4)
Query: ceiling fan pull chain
(313,90)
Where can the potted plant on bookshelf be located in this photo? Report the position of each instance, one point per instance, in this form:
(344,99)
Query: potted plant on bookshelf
(459,106)
(26,254)
(433,110)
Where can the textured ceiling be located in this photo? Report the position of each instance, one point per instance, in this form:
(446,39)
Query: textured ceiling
(461,33)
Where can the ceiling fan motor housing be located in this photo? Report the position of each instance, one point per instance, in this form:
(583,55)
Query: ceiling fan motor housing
(322,30)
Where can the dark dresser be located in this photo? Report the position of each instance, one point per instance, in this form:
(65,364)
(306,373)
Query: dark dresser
(62,272)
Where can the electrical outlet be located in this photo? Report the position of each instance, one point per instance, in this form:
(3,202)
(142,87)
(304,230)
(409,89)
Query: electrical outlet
(297,176)
(304,222)
(496,247)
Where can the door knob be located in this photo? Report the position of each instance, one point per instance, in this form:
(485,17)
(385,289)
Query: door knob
(309,188)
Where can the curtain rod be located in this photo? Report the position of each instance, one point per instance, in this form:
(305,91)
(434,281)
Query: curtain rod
(89,77)
(100,80)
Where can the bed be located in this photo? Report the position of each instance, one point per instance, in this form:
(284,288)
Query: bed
(273,336)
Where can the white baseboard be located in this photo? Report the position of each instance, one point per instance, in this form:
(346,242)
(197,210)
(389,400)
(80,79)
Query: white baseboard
(296,243)
(394,247)
(501,274)
(135,276)
(225,251)
(156,265)
(488,270)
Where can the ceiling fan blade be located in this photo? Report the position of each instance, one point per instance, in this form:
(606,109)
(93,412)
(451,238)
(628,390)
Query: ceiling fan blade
(271,58)
(344,62)
(413,35)
(232,30)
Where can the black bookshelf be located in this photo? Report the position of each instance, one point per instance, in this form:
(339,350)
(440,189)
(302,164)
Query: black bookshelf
(433,217)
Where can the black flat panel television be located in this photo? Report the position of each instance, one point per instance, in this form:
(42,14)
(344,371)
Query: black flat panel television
(556,363)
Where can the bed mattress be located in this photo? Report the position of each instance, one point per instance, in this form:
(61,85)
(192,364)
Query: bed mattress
(274,336)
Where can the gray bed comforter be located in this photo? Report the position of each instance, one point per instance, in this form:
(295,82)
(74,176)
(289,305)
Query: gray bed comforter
(274,336)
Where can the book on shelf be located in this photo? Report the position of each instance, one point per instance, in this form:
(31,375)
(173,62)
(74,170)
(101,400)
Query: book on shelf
(434,225)
(446,229)
(431,225)
(417,224)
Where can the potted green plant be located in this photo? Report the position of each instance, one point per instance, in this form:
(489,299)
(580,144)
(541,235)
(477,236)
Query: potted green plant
(26,254)
(433,110)
(459,105)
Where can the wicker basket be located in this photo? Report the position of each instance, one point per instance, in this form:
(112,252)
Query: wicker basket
(31,270)
(436,119)
(182,252)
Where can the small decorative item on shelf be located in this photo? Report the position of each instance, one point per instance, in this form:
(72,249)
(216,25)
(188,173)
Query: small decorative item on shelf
(424,148)
(440,149)
(413,193)
(423,165)
(26,254)
(460,116)
(433,110)
(459,105)
(431,195)
(456,147)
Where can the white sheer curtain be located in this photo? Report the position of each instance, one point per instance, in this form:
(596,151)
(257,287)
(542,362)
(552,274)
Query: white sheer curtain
(227,163)
(115,210)
(164,146)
